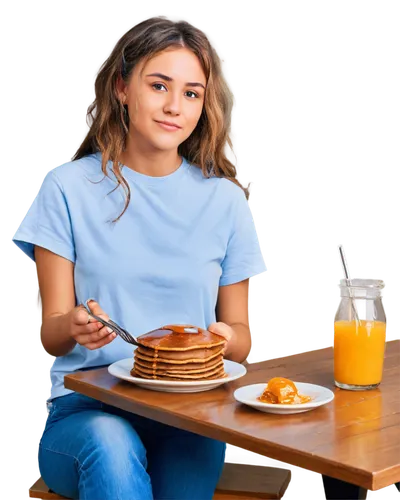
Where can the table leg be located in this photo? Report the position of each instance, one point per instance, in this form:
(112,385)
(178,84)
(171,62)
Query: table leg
(397,486)
(335,489)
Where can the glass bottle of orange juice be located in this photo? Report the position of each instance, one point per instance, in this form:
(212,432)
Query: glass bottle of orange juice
(360,335)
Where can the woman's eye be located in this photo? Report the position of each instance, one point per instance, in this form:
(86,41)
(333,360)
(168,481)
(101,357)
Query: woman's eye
(159,85)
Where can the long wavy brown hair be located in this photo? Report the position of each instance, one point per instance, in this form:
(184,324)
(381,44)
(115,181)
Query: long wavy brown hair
(109,121)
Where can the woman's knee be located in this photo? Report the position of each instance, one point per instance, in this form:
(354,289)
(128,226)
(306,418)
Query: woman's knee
(94,445)
(112,441)
(114,461)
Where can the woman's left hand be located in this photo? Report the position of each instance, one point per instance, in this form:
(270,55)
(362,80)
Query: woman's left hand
(225,331)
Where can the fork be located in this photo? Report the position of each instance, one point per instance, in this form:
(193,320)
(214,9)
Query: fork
(111,324)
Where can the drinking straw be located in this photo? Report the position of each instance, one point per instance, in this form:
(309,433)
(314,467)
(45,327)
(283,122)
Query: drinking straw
(348,282)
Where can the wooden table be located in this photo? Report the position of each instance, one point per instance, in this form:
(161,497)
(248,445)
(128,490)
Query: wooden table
(354,441)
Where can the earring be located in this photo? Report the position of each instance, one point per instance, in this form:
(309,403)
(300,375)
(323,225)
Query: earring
(125,110)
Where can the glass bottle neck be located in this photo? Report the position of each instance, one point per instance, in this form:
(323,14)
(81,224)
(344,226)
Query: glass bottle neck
(357,293)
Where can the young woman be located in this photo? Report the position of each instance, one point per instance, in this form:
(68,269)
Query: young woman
(149,219)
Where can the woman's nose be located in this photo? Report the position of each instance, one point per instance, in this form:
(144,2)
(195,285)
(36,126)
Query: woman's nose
(173,103)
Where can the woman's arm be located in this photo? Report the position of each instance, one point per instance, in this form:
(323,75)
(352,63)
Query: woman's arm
(232,311)
(56,284)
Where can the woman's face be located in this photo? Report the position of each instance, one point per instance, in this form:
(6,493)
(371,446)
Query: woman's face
(170,87)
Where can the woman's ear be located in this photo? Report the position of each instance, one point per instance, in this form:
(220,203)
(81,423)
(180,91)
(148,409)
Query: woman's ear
(121,90)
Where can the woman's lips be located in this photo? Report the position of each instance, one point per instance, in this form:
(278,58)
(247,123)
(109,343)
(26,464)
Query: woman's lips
(169,127)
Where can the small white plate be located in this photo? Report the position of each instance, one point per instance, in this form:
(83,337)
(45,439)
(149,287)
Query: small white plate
(121,369)
(249,393)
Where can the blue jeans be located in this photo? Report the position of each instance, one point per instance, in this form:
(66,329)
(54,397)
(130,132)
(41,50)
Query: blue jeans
(92,451)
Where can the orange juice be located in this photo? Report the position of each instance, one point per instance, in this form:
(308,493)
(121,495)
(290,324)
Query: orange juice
(359,352)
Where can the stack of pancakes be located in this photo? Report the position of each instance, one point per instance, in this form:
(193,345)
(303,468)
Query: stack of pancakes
(179,352)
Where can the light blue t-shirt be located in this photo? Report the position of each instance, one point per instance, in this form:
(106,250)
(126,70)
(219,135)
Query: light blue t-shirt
(182,236)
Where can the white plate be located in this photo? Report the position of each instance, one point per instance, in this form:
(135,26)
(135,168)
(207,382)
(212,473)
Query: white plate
(249,393)
(121,369)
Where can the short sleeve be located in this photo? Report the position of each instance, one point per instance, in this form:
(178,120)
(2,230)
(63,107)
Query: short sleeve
(47,223)
(243,257)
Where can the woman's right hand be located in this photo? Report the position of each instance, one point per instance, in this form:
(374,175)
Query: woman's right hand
(88,332)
